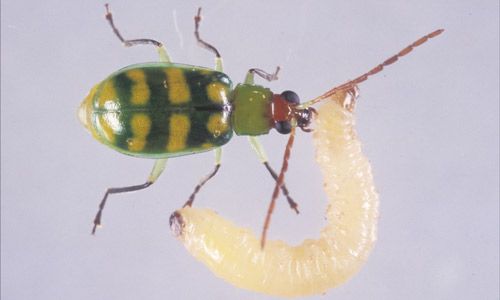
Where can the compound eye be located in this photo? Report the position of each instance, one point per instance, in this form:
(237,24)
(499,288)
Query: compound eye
(291,97)
(283,127)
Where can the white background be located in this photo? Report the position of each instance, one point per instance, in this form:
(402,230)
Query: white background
(429,124)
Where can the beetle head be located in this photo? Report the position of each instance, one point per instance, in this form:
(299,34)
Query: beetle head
(285,113)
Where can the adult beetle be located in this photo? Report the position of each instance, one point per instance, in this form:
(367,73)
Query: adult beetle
(163,109)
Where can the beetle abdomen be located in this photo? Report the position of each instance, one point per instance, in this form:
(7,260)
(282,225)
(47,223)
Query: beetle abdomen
(160,110)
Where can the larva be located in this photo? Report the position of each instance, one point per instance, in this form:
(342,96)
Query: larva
(235,255)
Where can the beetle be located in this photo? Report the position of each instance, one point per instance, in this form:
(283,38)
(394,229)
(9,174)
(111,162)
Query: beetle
(161,110)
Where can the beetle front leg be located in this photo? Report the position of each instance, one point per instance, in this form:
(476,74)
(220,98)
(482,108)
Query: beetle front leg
(249,78)
(259,149)
(218,158)
(155,173)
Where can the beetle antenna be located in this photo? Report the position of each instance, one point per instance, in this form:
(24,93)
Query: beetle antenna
(279,183)
(350,84)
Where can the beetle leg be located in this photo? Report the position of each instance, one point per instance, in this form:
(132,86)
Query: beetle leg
(155,173)
(218,157)
(249,79)
(129,43)
(261,153)
(202,43)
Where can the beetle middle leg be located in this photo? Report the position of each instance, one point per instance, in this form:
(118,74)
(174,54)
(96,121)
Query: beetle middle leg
(202,43)
(129,43)
(259,149)
(155,173)
(218,157)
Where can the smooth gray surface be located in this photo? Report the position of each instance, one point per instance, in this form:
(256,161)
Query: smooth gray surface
(429,124)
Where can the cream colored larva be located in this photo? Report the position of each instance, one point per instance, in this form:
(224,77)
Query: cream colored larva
(235,255)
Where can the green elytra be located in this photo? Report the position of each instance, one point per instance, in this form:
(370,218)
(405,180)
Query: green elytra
(162,110)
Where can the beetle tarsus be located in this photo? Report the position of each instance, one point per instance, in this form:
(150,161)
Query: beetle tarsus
(265,75)
(201,42)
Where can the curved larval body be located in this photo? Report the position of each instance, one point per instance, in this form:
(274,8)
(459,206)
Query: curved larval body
(234,253)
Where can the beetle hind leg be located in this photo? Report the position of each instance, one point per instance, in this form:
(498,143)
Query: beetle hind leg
(155,173)
(162,51)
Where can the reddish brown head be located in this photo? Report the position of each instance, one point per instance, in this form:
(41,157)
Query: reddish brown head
(285,113)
